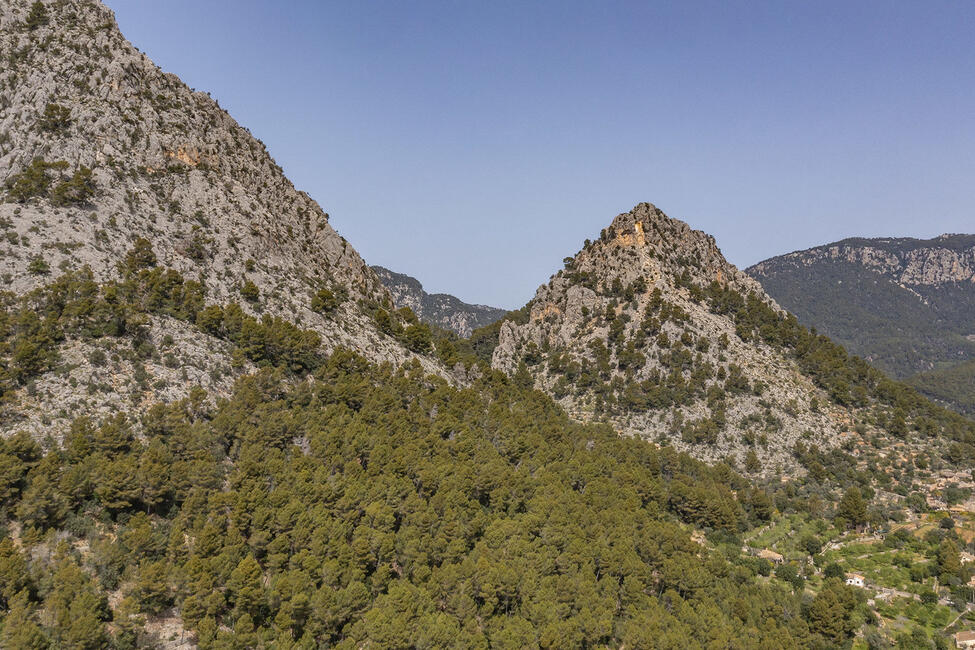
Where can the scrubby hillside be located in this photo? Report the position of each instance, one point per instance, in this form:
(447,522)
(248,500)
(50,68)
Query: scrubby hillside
(218,432)
(373,507)
(99,147)
(100,150)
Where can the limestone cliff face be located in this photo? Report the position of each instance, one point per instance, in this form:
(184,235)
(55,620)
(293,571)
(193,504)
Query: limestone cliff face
(906,305)
(626,319)
(440,309)
(167,164)
(932,262)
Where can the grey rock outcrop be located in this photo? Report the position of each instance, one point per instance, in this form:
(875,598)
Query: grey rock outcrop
(169,165)
(166,164)
(586,342)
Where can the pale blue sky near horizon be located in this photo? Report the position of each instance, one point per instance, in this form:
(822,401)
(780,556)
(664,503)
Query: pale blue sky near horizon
(474,145)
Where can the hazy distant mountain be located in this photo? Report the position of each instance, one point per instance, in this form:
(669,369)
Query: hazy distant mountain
(440,309)
(906,305)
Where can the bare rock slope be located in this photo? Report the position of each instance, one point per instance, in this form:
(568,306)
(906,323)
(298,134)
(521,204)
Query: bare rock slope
(625,333)
(99,147)
(167,164)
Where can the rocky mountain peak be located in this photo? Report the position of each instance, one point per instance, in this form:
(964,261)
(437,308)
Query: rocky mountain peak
(646,245)
(439,309)
(165,162)
(631,331)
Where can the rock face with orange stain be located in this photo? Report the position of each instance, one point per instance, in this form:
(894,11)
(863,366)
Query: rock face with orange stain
(624,333)
(169,165)
(191,156)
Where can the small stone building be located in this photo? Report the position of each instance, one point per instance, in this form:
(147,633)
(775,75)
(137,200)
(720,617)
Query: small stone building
(855,580)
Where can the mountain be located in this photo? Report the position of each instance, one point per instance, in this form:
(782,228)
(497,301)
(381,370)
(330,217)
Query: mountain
(439,309)
(218,431)
(99,150)
(906,305)
(649,328)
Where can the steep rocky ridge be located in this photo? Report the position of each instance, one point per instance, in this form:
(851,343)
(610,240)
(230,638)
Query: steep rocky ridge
(625,333)
(906,305)
(946,259)
(167,164)
(440,309)
(99,148)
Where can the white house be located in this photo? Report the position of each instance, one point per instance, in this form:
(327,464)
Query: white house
(965,639)
(855,580)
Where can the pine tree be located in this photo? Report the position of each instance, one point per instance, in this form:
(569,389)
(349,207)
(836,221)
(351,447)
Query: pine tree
(247,587)
(140,257)
(152,587)
(37,17)
(20,630)
(55,118)
(949,561)
(249,291)
(852,507)
(14,574)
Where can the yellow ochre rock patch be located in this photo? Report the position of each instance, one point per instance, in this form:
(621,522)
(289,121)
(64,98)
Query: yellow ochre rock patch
(188,155)
(636,238)
(549,308)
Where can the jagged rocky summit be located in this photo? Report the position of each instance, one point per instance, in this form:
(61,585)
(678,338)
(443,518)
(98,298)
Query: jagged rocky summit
(628,332)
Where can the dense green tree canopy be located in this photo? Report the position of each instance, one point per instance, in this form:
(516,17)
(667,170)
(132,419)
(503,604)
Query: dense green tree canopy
(378,506)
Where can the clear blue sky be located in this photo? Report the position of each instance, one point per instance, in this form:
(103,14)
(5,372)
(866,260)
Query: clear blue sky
(475,144)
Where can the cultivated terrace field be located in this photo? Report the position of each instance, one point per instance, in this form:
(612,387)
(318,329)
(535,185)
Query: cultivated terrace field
(916,568)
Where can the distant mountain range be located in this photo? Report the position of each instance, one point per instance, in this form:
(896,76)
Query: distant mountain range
(440,309)
(906,305)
